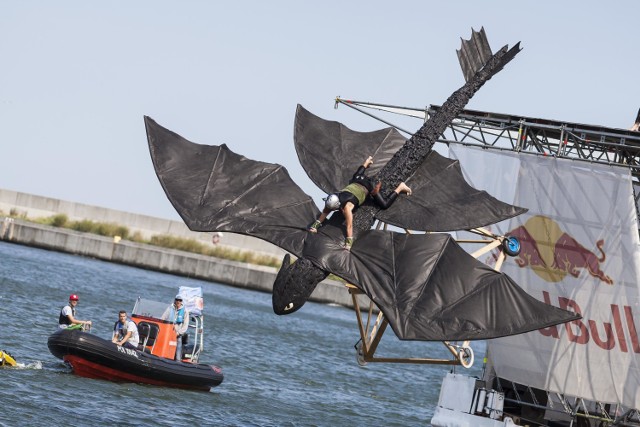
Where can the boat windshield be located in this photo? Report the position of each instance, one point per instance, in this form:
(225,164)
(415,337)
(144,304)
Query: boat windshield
(149,308)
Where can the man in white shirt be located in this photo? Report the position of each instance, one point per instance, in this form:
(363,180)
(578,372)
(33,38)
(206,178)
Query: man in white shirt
(125,332)
(178,314)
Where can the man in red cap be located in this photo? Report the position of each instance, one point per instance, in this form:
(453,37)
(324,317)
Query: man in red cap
(68,314)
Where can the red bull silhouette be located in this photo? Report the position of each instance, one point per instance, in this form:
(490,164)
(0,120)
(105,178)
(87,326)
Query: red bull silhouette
(530,255)
(571,256)
(552,253)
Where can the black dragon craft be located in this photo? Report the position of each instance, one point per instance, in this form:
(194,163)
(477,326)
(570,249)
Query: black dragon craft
(426,285)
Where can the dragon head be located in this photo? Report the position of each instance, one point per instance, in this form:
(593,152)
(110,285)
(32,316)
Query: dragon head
(294,284)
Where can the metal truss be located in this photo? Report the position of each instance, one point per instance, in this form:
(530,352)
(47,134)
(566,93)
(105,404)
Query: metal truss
(595,144)
(494,131)
(603,413)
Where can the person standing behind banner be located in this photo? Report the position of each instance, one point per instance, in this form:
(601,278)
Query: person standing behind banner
(179,316)
(67,316)
(215,238)
(125,332)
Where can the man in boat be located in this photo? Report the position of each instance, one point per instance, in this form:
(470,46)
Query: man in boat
(178,314)
(125,332)
(355,194)
(68,314)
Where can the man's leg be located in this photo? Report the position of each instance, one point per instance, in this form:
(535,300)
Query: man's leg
(178,347)
(129,345)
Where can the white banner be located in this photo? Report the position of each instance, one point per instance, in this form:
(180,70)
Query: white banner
(192,299)
(580,251)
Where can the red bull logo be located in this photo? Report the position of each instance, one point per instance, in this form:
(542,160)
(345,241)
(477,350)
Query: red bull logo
(553,254)
(621,333)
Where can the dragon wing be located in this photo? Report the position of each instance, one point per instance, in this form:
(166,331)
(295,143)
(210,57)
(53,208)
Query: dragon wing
(426,285)
(442,200)
(330,152)
(429,288)
(215,189)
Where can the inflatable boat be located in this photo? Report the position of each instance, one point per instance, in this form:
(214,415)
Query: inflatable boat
(151,363)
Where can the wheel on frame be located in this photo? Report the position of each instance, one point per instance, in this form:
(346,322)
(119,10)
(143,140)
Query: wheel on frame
(360,354)
(511,245)
(465,356)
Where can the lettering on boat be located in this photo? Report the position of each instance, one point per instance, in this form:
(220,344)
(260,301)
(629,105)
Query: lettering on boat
(128,351)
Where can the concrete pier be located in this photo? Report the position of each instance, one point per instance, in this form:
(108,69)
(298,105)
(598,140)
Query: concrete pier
(187,264)
(171,261)
(34,206)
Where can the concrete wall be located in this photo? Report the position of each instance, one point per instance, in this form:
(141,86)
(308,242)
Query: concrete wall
(232,273)
(33,206)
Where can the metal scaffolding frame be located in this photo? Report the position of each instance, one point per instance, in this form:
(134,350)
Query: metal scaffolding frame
(567,140)
(552,138)
(574,141)
(596,144)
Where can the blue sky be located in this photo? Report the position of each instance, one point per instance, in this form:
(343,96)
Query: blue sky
(78,76)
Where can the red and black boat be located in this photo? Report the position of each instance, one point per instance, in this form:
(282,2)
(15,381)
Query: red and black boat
(152,363)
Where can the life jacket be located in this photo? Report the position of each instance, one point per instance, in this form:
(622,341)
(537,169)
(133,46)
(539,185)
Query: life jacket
(180,316)
(119,330)
(64,320)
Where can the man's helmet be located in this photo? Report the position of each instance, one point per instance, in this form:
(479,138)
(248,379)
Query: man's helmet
(73,297)
(332,202)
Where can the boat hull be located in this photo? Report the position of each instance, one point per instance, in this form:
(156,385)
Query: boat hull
(93,357)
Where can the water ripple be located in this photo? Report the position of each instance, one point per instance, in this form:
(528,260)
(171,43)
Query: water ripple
(296,370)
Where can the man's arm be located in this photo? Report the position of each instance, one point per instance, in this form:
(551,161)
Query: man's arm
(124,339)
(75,321)
(167,313)
(182,328)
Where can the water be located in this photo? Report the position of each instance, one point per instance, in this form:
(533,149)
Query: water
(296,370)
